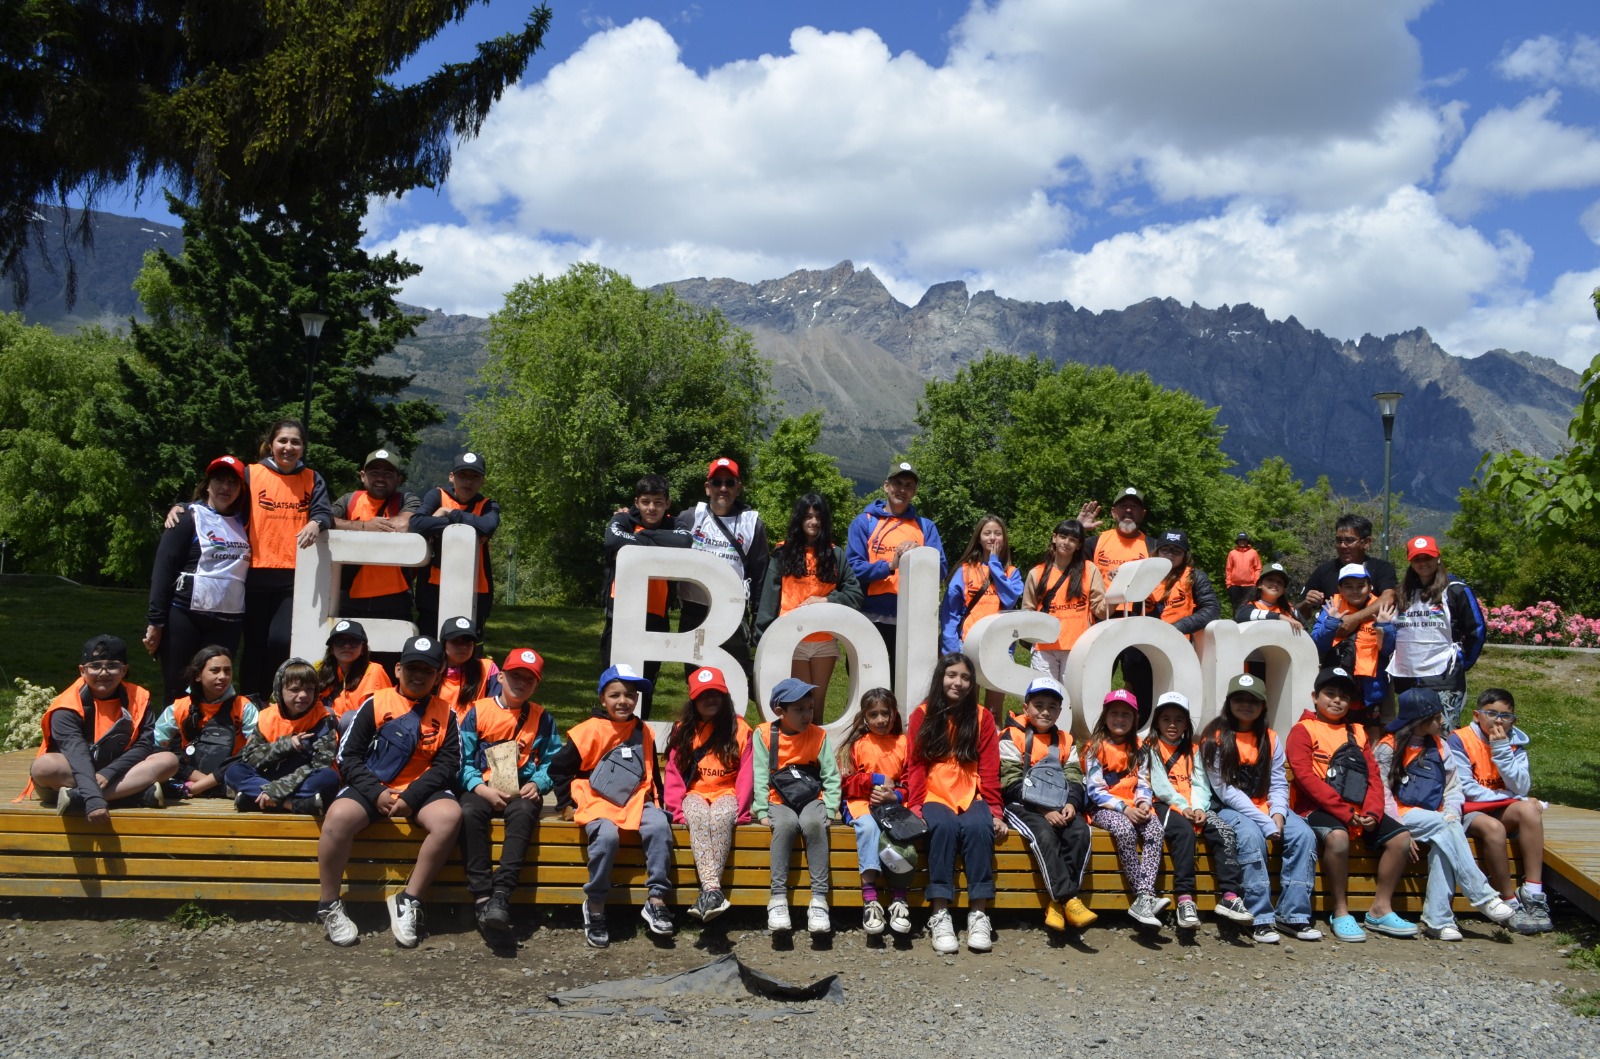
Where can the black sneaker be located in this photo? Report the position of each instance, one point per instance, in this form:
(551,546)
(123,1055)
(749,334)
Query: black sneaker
(311,806)
(495,913)
(659,919)
(712,904)
(595,932)
(244,803)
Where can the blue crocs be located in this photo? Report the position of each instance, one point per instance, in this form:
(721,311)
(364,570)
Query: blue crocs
(1345,928)
(1391,924)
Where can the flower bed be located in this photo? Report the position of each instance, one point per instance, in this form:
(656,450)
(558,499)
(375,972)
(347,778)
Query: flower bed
(1543,624)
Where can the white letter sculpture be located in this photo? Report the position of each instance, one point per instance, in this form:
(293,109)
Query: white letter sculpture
(1291,660)
(863,649)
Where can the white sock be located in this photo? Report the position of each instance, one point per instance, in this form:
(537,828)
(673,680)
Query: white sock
(1534,889)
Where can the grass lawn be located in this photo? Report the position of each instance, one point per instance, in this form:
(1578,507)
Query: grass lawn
(43,624)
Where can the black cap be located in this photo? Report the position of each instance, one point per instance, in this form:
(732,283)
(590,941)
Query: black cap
(423,649)
(1173,539)
(1336,675)
(455,628)
(468,461)
(104,648)
(346,627)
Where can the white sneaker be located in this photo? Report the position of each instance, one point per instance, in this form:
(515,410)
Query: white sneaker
(341,928)
(980,935)
(404,918)
(1496,910)
(899,917)
(817,919)
(1448,932)
(872,918)
(778,914)
(943,933)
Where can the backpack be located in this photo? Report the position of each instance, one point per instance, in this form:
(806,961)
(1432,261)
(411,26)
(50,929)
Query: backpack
(1422,785)
(1044,784)
(208,747)
(797,785)
(1347,770)
(620,773)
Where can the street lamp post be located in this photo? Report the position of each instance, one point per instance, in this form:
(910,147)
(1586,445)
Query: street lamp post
(311,321)
(1387,402)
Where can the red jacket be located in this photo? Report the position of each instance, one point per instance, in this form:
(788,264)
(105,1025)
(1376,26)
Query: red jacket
(1311,743)
(988,762)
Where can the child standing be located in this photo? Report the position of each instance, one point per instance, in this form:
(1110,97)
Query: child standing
(1069,588)
(808,568)
(400,757)
(1042,786)
(288,762)
(796,771)
(1336,789)
(1421,775)
(208,726)
(1183,801)
(984,583)
(1268,601)
(1364,651)
(1117,776)
(508,718)
(348,675)
(953,779)
(872,770)
(646,524)
(1244,764)
(709,782)
(606,779)
(1491,757)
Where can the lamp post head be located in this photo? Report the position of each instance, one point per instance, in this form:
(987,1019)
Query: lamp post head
(1387,402)
(312,320)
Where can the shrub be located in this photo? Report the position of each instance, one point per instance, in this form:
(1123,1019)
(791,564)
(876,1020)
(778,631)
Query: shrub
(1543,624)
(27,715)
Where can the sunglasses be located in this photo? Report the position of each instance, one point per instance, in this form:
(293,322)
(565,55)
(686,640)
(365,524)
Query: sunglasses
(1348,540)
(723,483)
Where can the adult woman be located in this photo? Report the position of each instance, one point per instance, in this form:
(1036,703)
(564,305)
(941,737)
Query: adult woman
(197,588)
(1438,630)
(1065,585)
(809,568)
(984,583)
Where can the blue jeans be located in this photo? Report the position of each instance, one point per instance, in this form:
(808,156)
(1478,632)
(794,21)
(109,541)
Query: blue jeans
(1450,863)
(969,832)
(1297,871)
(866,842)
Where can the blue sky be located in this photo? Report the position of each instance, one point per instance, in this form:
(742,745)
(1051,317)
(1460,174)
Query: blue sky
(1363,165)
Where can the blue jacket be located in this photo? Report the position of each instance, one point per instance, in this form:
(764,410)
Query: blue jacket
(1373,688)
(1006,588)
(861,530)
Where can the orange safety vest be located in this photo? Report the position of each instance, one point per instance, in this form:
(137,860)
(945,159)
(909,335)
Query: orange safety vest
(796,590)
(1113,550)
(802,749)
(474,508)
(1249,752)
(1411,754)
(1073,612)
(951,783)
(373,680)
(594,739)
(107,712)
(1181,773)
(881,754)
(388,704)
(975,578)
(656,593)
(371,581)
(881,545)
(281,506)
(272,725)
(498,724)
(1017,732)
(1114,757)
(1178,597)
(1369,641)
(718,777)
(208,712)
(1325,740)
(1482,759)
(452,683)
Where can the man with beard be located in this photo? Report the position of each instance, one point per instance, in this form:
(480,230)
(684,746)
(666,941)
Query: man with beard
(1126,542)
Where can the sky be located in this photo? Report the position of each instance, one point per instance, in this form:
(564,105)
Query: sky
(1366,166)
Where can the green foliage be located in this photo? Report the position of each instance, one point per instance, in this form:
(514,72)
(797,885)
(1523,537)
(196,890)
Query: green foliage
(592,382)
(1293,525)
(1032,442)
(194,915)
(24,726)
(67,502)
(224,353)
(1509,563)
(787,465)
(241,105)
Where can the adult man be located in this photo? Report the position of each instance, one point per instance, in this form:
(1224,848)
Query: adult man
(462,503)
(879,536)
(724,525)
(1352,536)
(1243,570)
(379,506)
(1126,542)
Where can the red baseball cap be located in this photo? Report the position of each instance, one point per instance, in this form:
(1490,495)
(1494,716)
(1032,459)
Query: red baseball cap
(706,679)
(722,463)
(524,658)
(228,463)
(1421,546)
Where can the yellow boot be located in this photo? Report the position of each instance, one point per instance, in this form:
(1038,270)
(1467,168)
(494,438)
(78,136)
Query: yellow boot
(1078,914)
(1055,917)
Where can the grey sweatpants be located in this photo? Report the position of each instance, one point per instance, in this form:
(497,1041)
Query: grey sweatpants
(812,821)
(655,835)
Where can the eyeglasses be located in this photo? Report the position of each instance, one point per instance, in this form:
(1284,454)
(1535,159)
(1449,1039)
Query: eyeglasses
(103,668)
(1348,540)
(1496,715)
(723,483)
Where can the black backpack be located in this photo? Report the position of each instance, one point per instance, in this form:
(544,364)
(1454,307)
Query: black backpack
(1347,770)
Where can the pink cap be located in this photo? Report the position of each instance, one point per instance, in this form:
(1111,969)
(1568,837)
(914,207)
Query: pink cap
(1124,697)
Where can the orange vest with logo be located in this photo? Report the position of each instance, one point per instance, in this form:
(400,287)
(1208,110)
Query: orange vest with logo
(272,725)
(373,680)
(655,593)
(975,579)
(881,544)
(388,704)
(1178,598)
(1113,550)
(497,724)
(280,507)
(802,749)
(1369,642)
(107,712)
(1072,611)
(718,777)
(796,590)
(1482,759)
(951,783)
(594,739)
(454,680)
(882,754)
(1325,740)
(1114,757)
(1249,752)
(373,581)
(475,508)
(208,711)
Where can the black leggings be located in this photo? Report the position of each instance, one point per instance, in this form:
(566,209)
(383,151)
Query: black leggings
(268,622)
(185,633)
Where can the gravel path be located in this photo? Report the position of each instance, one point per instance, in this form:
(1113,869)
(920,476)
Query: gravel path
(79,985)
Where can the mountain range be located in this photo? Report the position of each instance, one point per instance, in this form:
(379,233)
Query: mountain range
(837,339)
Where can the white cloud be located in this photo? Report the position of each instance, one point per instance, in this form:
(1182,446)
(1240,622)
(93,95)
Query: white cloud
(1559,324)
(1517,151)
(1589,221)
(1548,61)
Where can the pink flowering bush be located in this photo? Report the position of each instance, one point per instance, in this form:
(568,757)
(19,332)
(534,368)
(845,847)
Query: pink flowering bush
(1542,624)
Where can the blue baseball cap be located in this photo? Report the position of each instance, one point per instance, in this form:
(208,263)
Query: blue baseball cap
(1415,704)
(625,674)
(790,689)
